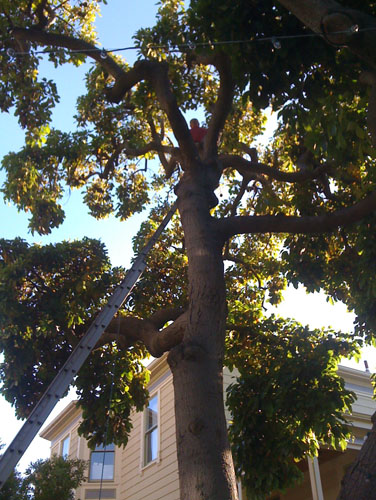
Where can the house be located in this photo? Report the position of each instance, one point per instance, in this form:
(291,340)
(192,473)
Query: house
(147,467)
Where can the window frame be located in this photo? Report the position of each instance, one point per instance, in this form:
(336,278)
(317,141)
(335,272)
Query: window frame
(147,432)
(105,451)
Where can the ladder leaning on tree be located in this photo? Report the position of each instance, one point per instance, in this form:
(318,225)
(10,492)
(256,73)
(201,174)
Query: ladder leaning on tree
(64,377)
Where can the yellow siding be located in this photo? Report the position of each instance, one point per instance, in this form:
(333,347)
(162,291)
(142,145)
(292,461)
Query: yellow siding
(158,480)
(55,449)
(73,445)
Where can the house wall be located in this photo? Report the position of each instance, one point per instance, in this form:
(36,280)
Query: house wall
(71,431)
(159,479)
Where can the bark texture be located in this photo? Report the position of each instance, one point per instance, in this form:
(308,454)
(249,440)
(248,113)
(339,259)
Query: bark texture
(359,482)
(206,470)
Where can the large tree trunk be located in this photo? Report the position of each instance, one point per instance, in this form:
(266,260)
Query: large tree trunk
(204,457)
(360,479)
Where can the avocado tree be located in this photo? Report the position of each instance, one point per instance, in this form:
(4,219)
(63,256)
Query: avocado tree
(300,210)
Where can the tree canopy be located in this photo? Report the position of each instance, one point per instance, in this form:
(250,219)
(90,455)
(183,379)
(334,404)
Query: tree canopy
(298,210)
(56,477)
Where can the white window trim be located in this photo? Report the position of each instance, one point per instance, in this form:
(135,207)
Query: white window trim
(78,447)
(144,466)
(315,478)
(239,487)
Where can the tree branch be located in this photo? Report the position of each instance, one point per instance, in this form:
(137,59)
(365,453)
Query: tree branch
(151,146)
(168,165)
(223,103)
(71,43)
(170,336)
(154,145)
(246,265)
(239,197)
(156,73)
(250,170)
(126,330)
(160,318)
(369,78)
(290,224)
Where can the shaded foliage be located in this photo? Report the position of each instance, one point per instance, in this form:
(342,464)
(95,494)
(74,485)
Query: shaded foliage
(287,399)
(48,295)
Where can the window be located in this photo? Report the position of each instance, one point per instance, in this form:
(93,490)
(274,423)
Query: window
(65,447)
(151,431)
(102,463)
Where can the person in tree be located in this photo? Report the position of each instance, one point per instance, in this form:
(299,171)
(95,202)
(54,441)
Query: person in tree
(198,133)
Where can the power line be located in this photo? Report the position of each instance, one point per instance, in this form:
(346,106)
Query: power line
(275,40)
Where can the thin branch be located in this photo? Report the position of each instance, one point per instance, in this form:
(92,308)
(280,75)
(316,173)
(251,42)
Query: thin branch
(239,197)
(242,262)
(156,73)
(134,152)
(147,148)
(222,106)
(169,165)
(110,163)
(249,169)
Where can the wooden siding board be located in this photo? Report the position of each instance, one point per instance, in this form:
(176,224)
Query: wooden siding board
(155,482)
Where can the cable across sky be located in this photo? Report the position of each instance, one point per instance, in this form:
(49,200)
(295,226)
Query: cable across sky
(274,39)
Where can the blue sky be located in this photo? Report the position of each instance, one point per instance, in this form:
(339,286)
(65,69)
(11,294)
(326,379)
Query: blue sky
(120,20)
(125,17)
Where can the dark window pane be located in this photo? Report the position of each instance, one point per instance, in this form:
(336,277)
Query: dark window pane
(151,446)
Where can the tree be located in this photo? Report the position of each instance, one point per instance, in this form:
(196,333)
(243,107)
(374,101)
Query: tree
(12,489)
(301,210)
(55,477)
